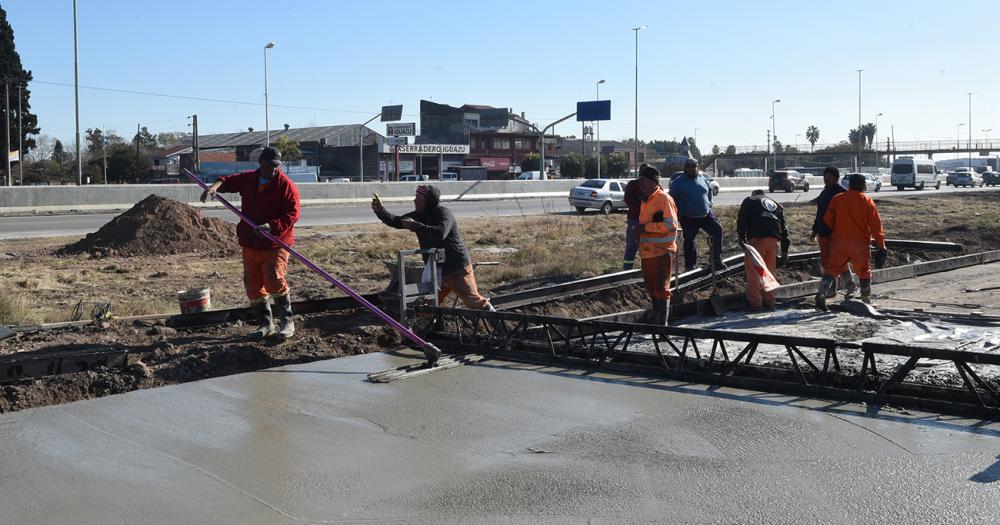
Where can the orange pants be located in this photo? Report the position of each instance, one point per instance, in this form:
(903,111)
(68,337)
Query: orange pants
(768,249)
(463,283)
(656,275)
(854,251)
(264,272)
(824,252)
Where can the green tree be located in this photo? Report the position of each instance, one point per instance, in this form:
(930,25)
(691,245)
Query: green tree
(777,146)
(571,166)
(590,167)
(715,149)
(855,137)
(59,152)
(617,165)
(122,167)
(288,148)
(144,138)
(730,150)
(868,132)
(94,140)
(15,74)
(47,171)
(530,162)
(167,139)
(812,135)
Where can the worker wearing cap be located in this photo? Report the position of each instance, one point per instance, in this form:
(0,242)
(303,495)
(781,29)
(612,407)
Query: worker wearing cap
(761,224)
(270,200)
(436,228)
(694,205)
(657,235)
(821,232)
(855,221)
(633,199)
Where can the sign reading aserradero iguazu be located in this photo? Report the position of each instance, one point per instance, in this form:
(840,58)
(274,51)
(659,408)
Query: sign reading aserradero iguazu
(435,149)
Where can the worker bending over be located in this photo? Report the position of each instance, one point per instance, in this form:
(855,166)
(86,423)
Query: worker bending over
(821,232)
(855,221)
(268,198)
(761,224)
(657,235)
(436,228)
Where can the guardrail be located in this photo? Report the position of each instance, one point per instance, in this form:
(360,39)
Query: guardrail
(920,145)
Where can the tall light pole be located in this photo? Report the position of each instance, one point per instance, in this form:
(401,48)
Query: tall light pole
(876,142)
(958,135)
(598,86)
(986,136)
(861,143)
(637,29)
(970,129)
(774,136)
(696,137)
(76,95)
(267,122)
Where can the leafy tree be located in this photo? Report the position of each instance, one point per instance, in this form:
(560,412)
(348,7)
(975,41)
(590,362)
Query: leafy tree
(617,165)
(12,71)
(868,132)
(95,138)
(730,150)
(122,167)
(47,171)
(144,138)
(777,145)
(590,167)
(167,139)
(812,135)
(854,137)
(288,148)
(715,149)
(571,166)
(59,153)
(530,162)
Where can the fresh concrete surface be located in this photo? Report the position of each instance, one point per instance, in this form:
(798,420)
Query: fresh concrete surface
(492,442)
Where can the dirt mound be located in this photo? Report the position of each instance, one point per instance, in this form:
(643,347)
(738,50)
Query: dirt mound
(158,226)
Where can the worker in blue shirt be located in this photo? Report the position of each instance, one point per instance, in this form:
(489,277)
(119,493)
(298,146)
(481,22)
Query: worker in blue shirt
(693,197)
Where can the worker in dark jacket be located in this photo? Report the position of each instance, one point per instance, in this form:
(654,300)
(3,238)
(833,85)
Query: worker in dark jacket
(821,232)
(269,199)
(761,224)
(436,228)
(633,199)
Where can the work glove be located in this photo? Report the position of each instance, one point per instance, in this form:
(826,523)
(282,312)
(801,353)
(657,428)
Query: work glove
(658,216)
(262,229)
(782,259)
(881,256)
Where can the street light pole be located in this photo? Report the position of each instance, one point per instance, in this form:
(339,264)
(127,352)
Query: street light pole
(774,136)
(970,129)
(598,86)
(267,122)
(637,29)
(861,143)
(876,143)
(76,95)
(696,137)
(986,136)
(958,135)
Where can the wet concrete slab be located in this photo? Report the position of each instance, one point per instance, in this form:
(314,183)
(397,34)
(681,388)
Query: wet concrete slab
(491,442)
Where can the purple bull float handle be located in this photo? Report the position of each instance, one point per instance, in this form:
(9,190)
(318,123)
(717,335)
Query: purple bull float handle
(333,280)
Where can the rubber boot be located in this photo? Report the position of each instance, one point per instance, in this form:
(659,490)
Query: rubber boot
(664,314)
(283,307)
(265,323)
(866,291)
(850,289)
(824,288)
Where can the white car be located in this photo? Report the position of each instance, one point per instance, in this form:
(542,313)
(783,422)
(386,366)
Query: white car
(967,178)
(712,185)
(605,195)
(414,178)
(873,183)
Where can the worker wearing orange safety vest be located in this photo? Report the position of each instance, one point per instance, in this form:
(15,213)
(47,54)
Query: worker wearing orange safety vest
(855,221)
(657,235)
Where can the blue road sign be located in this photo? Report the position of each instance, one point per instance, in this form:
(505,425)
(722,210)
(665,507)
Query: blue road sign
(594,110)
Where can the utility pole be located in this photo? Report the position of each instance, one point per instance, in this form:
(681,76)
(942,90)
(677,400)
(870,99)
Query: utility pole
(104,151)
(6,127)
(860,142)
(76,95)
(637,29)
(876,143)
(194,144)
(970,130)
(267,122)
(598,86)
(137,152)
(20,140)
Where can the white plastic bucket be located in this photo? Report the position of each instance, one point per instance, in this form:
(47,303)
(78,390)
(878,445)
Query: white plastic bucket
(195,300)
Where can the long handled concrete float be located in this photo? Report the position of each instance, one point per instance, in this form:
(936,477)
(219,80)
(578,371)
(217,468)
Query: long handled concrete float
(432,352)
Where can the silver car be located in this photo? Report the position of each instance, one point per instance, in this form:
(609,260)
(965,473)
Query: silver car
(605,195)
(967,178)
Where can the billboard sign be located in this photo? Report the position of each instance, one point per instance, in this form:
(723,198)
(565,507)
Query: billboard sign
(593,111)
(392,113)
(436,149)
(396,141)
(401,129)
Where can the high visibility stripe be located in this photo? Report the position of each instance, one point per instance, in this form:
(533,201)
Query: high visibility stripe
(658,240)
(669,221)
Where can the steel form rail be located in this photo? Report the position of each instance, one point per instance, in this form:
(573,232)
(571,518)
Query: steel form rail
(728,361)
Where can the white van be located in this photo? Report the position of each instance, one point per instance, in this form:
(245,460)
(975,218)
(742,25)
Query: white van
(530,175)
(908,172)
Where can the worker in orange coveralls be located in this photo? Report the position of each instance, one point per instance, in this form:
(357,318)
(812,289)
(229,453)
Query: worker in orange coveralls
(855,221)
(761,224)
(657,234)
(270,199)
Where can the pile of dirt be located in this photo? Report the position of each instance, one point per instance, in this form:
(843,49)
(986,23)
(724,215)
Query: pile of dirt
(158,226)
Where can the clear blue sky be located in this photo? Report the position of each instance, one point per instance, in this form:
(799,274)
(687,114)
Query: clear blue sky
(715,66)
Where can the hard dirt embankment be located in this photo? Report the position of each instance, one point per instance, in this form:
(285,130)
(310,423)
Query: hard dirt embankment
(142,258)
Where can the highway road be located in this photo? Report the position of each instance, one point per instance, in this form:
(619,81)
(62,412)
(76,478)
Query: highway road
(79,225)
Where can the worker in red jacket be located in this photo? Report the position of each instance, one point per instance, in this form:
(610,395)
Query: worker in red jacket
(657,235)
(855,221)
(270,200)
